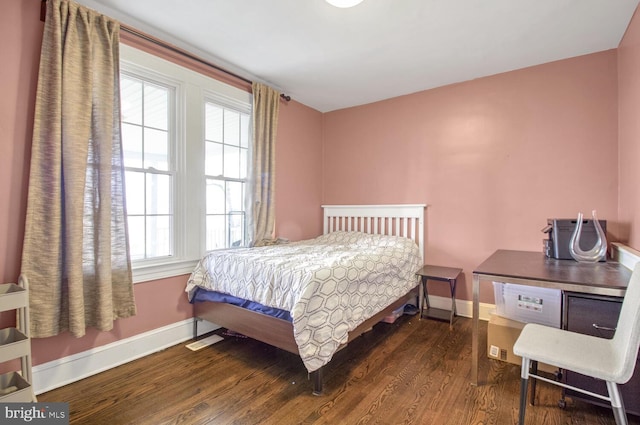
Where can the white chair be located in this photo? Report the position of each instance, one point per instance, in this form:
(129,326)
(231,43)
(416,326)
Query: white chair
(611,360)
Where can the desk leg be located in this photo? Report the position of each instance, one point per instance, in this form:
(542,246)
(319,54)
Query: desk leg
(475,330)
(421,297)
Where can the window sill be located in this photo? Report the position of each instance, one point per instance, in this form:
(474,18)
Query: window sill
(147,272)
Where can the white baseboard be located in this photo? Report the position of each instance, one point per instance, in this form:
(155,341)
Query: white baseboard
(60,372)
(464,308)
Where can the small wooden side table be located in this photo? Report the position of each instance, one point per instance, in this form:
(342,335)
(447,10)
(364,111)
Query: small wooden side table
(442,274)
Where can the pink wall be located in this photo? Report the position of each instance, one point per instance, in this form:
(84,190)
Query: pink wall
(21,33)
(493,157)
(629,133)
(18,72)
(298,172)
(159,302)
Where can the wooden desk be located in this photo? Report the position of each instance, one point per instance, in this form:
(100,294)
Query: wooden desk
(535,269)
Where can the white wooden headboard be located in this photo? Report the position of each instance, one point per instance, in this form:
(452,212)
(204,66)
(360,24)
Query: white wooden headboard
(399,220)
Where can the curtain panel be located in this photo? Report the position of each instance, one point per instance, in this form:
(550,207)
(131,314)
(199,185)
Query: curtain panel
(75,252)
(266,104)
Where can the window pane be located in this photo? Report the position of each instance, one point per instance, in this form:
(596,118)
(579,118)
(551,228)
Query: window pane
(131,99)
(227,160)
(235,197)
(156,144)
(243,163)
(136,236)
(231,161)
(215,232)
(213,160)
(156,106)
(135,192)
(159,233)
(213,125)
(244,130)
(132,145)
(158,194)
(146,108)
(215,196)
(231,127)
(236,230)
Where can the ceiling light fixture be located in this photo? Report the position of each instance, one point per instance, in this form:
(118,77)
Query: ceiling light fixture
(344,3)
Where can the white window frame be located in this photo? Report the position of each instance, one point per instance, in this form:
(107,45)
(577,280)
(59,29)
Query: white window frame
(192,89)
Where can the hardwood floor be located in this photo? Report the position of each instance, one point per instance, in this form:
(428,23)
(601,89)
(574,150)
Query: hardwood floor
(410,372)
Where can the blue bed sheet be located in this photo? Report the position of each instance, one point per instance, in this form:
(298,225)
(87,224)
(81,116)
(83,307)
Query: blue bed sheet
(202,295)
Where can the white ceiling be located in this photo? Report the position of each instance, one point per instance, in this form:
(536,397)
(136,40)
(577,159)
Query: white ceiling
(330,58)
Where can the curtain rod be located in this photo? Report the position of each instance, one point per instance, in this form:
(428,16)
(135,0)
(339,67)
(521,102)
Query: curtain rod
(132,31)
(180,51)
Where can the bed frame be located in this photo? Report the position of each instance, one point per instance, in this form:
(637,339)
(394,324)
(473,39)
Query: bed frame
(400,220)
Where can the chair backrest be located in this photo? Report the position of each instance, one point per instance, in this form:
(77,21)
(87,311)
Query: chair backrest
(626,340)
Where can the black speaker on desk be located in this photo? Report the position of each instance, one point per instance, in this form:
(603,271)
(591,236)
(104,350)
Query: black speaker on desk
(560,231)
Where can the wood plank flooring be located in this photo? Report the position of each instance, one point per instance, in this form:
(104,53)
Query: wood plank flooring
(410,372)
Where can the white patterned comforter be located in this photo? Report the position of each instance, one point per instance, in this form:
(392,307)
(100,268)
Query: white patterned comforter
(330,284)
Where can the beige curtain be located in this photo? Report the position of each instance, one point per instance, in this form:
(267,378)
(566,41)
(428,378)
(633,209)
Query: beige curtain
(266,104)
(75,250)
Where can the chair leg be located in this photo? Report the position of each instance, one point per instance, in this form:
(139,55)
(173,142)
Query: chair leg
(616,403)
(534,370)
(524,384)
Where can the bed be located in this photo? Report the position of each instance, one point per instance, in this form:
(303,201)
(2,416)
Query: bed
(321,293)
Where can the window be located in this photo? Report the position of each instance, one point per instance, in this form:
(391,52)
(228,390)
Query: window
(186,148)
(147,141)
(227,146)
